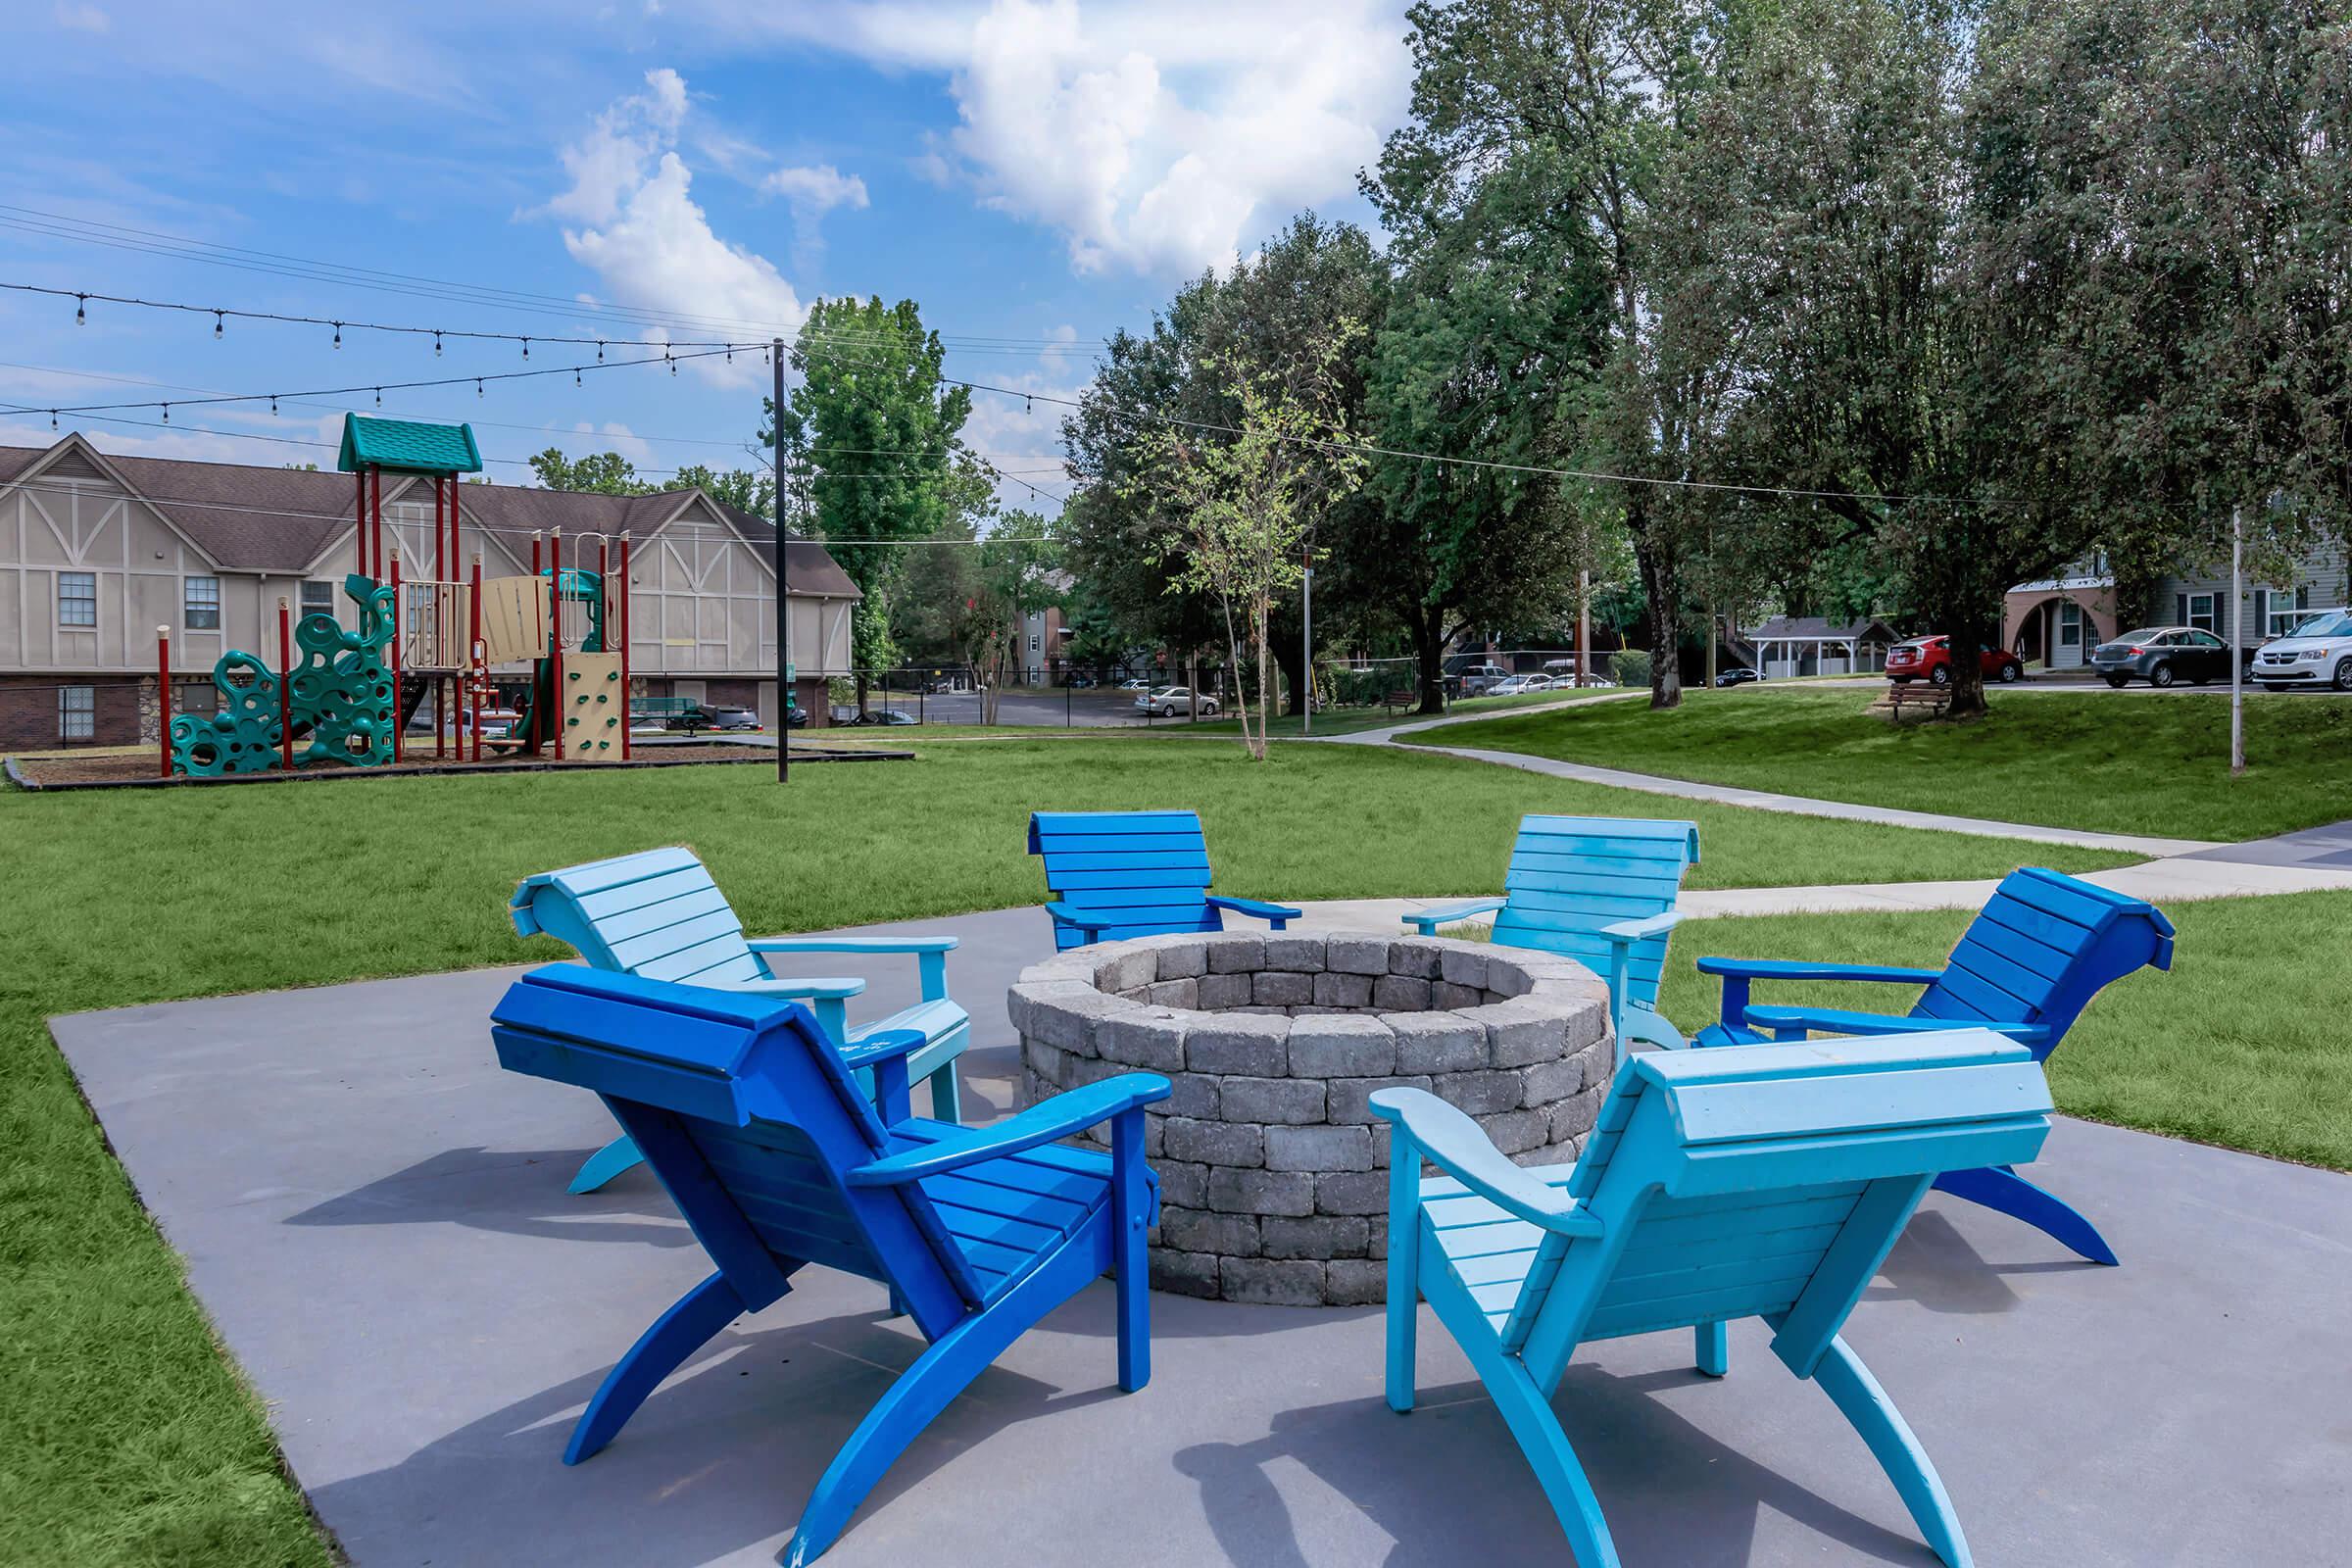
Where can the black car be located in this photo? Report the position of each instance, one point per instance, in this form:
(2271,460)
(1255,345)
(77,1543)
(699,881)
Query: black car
(796,716)
(885,716)
(729,719)
(1737,675)
(2163,656)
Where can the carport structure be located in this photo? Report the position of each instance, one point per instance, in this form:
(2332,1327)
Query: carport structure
(1814,645)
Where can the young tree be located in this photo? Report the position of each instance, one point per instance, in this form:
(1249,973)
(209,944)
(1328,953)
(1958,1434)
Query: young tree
(603,473)
(1244,506)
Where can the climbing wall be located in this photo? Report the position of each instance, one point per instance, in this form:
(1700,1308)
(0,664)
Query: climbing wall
(343,688)
(243,736)
(592,708)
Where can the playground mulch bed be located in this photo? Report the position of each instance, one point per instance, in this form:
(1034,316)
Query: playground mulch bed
(118,771)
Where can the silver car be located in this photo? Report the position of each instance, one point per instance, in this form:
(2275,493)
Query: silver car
(2317,654)
(1167,702)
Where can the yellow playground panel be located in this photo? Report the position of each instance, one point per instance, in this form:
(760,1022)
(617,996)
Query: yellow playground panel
(515,618)
(593,707)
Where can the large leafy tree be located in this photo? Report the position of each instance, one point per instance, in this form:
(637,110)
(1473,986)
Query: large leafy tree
(873,448)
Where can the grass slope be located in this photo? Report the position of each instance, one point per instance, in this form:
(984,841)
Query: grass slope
(125,1438)
(2242,1042)
(2121,764)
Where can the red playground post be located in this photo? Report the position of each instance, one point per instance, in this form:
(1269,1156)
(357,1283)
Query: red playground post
(163,695)
(396,726)
(285,688)
(476,675)
(555,642)
(626,724)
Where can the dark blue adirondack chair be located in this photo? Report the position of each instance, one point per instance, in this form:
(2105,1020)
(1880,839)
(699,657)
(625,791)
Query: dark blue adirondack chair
(1117,874)
(1716,1185)
(1600,890)
(777,1160)
(2026,967)
(657,913)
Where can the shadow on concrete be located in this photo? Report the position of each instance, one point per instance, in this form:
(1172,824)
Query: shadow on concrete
(518,1192)
(1450,1485)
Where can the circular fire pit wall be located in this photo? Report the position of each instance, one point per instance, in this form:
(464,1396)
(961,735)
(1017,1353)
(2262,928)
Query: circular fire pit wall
(1273,1170)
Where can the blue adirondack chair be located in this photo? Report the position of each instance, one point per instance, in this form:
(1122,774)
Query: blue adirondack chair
(658,915)
(1117,874)
(777,1160)
(1600,890)
(2026,967)
(1716,1185)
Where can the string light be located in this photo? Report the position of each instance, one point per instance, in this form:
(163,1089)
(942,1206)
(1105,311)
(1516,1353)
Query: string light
(477,387)
(274,408)
(436,343)
(81,310)
(575,376)
(167,413)
(216,321)
(380,397)
(600,351)
(338,334)
(52,418)
(527,348)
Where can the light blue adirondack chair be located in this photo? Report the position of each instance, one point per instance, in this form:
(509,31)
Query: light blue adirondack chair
(2026,967)
(1117,874)
(1717,1185)
(1600,890)
(658,915)
(777,1160)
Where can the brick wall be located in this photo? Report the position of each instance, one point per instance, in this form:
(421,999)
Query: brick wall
(123,712)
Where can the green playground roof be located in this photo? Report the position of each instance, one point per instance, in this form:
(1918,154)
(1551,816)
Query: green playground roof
(411,446)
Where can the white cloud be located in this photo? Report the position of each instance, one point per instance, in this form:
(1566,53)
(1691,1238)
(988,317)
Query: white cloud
(650,243)
(1156,138)
(82,18)
(817,191)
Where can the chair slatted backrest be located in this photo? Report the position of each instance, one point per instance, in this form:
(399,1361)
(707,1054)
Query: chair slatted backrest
(752,1122)
(656,913)
(2041,949)
(1572,875)
(1768,1181)
(1147,870)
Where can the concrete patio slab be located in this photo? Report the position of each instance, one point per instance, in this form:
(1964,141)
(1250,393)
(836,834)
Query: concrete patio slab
(374,1216)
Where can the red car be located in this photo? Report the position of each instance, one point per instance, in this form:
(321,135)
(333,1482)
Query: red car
(1930,658)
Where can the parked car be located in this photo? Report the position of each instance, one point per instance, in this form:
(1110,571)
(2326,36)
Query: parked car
(2317,652)
(1135,683)
(2162,656)
(1737,675)
(1476,680)
(730,718)
(885,716)
(1080,683)
(1930,658)
(796,716)
(1166,702)
(1518,686)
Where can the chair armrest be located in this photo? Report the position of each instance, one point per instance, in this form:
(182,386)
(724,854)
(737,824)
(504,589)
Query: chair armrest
(1450,1141)
(1043,1124)
(852,943)
(1794,1023)
(1787,969)
(883,1044)
(1063,914)
(1428,920)
(1276,913)
(1644,929)
(800,986)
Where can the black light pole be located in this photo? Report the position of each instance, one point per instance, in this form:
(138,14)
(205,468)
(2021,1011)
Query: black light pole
(784,672)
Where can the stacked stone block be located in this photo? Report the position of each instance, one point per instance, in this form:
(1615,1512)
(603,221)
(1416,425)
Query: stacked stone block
(1273,1169)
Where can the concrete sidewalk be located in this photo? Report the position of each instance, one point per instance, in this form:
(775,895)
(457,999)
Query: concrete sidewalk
(373,1215)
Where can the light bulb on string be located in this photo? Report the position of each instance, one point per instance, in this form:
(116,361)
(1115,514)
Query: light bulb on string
(674,363)
(478,386)
(167,413)
(380,397)
(81,310)
(575,376)
(218,317)
(600,351)
(338,334)
(527,348)
(52,418)
(436,343)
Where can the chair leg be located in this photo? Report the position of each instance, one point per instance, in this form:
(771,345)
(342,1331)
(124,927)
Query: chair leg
(1714,1351)
(905,1409)
(1537,1428)
(947,1095)
(1858,1396)
(2000,1188)
(605,1165)
(1131,1217)
(659,1351)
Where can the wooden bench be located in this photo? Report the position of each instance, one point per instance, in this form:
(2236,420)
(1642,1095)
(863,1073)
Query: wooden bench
(1903,693)
(1403,697)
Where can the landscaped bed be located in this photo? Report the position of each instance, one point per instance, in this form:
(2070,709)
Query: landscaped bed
(2084,760)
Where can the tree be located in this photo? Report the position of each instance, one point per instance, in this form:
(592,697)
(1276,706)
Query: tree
(873,448)
(603,473)
(744,489)
(1245,506)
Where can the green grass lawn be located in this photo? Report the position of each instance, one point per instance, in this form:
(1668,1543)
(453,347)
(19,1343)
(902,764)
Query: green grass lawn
(2090,759)
(2242,1042)
(1355,721)
(123,1435)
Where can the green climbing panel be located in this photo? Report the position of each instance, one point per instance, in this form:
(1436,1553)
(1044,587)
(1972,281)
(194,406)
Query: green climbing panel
(244,736)
(342,688)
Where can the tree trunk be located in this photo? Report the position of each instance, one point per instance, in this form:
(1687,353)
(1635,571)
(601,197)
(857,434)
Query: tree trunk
(1265,705)
(1288,658)
(1969,636)
(1656,566)
(1429,656)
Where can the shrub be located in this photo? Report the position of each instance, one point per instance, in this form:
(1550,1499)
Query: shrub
(1630,667)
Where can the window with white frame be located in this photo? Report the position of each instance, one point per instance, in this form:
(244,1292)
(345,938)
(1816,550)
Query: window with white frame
(317,598)
(2196,609)
(77,712)
(2285,616)
(200,605)
(77,599)
(2070,624)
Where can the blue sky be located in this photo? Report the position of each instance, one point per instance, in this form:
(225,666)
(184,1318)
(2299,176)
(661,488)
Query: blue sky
(1035,173)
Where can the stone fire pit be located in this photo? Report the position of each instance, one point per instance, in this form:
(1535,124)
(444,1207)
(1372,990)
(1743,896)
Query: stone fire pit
(1273,1171)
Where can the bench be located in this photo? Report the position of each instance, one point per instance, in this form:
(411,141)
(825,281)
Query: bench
(1917,694)
(1403,697)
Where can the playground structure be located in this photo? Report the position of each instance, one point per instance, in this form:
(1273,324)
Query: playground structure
(352,694)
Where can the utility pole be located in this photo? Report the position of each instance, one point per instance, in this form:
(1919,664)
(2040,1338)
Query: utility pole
(1584,626)
(784,670)
(1306,649)
(2238,642)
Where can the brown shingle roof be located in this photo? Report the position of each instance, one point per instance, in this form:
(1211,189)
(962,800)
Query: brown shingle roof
(252,518)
